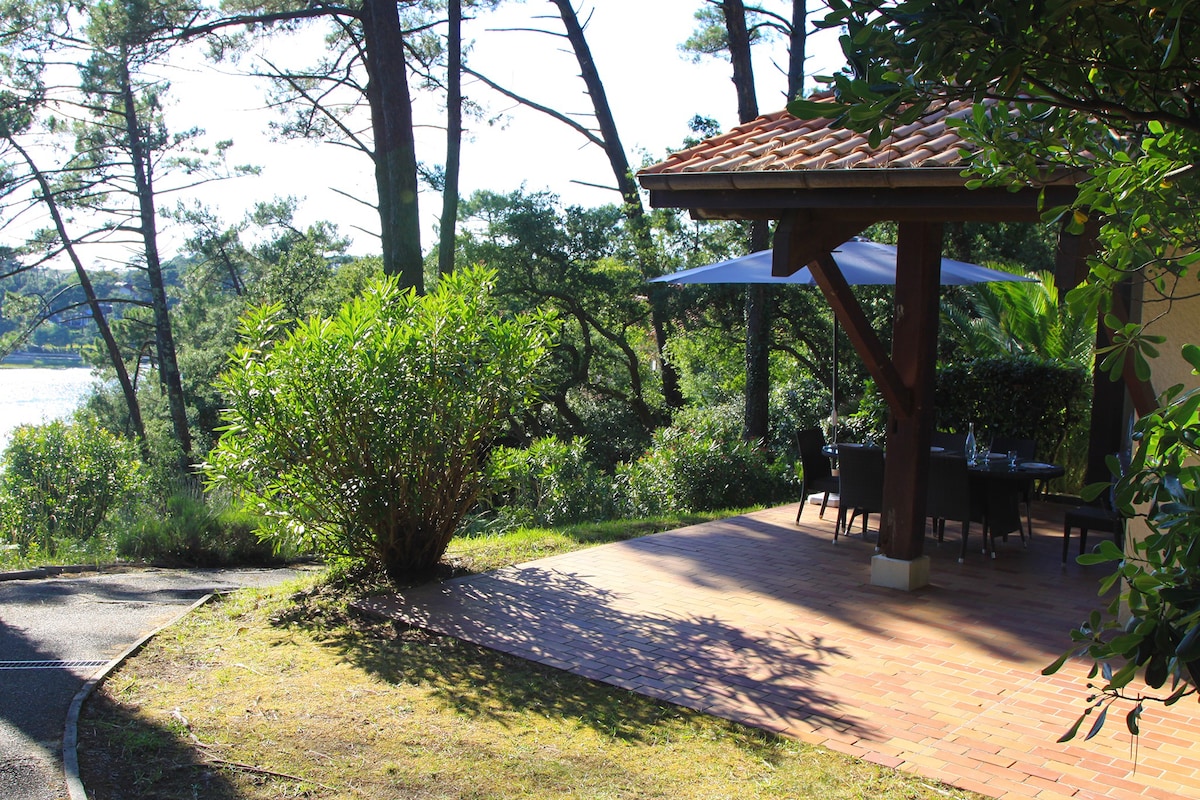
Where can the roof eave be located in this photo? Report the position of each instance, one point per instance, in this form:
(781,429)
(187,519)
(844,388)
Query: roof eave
(891,178)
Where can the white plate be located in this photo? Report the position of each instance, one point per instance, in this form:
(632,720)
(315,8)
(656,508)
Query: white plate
(936,449)
(1036,465)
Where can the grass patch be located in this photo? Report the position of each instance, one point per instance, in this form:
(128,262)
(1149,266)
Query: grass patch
(274,694)
(96,551)
(285,693)
(488,551)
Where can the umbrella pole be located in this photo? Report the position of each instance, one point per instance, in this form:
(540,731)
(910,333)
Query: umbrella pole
(833,415)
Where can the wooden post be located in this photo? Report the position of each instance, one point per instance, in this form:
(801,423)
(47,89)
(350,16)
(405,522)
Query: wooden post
(914,354)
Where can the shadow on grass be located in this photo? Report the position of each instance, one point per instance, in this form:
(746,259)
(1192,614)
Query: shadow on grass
(629,670)
(124,756)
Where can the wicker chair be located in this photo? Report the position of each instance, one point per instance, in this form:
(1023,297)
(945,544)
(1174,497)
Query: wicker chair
(818,474)
(861,486)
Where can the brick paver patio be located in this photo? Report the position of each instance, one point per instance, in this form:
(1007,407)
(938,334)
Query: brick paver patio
(760,621)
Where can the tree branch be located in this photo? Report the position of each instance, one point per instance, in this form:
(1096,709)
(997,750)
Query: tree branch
(563,118)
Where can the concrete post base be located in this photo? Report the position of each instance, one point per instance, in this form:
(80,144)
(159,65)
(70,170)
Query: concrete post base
(895,573)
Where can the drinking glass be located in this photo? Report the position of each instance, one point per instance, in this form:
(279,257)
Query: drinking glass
(1012,459)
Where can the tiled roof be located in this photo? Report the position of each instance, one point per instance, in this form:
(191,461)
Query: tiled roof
(780,143)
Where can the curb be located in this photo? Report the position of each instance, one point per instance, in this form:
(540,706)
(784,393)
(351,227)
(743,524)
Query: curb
(70,740)
(50,571)
(35,573)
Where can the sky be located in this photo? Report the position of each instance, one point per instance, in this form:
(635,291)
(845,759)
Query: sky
(653,89)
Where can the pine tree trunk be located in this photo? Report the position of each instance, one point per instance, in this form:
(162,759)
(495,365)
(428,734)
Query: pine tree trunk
(797,42)
(395,148)
(449,220)
(164,340)
(632,200)
(85,282)
(756,422)
(759,298)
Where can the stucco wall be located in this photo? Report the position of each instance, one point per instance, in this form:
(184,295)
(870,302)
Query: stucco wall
(1181,325)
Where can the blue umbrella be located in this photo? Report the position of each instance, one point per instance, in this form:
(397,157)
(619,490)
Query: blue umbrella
(862,264)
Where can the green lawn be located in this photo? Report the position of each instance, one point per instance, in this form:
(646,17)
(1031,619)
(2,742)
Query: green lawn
(283,693)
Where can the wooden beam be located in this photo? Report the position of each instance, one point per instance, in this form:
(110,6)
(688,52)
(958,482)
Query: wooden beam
(914,357)
(1071,256)
(948,203)
(801,236)
(858,329)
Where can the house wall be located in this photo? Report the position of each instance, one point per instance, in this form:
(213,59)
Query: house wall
(1181,325)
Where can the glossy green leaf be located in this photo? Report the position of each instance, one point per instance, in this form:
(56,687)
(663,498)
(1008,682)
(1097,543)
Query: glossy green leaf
(1057,665)
(1133,718)
(1192,354)
(1074,729)
(1098,724)
(1189,647)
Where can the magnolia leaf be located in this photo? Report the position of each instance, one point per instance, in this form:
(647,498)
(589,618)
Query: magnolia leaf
(1189,648)
(1141,368)
(1126,644)
(1132,718)
(1074,729)
(809,109)
(1192,354)
(1123,676)
(1098,724)
(1057,665)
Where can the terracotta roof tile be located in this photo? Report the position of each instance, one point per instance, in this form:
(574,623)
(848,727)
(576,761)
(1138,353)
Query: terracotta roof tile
(780,142)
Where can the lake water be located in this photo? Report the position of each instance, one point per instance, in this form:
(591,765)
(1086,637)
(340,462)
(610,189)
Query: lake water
(36,395)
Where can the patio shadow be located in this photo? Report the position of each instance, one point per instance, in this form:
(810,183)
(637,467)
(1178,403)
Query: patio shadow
(564,621)
(767,623)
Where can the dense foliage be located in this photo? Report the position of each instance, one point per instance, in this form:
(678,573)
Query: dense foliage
(550,482)
(1102,93)
(363,434)
(1013,397)
(1159,638)
(60,480)
(701,463)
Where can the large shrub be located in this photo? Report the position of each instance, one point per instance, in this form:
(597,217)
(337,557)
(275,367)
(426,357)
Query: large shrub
(701,464)
(363,434)
(61,479)
(551,482)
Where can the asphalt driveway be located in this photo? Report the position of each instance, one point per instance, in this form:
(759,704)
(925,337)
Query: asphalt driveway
(55,633)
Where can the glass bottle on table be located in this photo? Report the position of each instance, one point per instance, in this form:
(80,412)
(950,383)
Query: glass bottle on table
(969,444)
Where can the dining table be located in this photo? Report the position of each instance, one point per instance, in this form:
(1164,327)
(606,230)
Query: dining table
(998,485)
(992,465)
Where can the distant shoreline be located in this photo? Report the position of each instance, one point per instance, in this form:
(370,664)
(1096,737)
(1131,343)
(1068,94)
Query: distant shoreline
(42,360)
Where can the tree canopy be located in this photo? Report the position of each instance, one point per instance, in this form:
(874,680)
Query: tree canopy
(1105,92)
